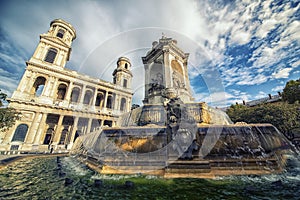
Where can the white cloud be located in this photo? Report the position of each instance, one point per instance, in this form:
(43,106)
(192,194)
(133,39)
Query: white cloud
(282,73)
(278,88)
(295,63)
(212,25)
(260,95)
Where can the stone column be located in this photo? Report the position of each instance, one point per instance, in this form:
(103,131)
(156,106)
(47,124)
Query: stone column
(41,128)
(57,133)
(23,85)
(128,105)
(73,131)
(33,128)
(54,85)
(69,92)
(167,69)
(147,82)
(88,129)
(95,97)
(82,94)
(31,81)
(105,99)
(116,100)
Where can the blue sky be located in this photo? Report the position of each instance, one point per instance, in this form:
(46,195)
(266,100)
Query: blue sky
(239,50)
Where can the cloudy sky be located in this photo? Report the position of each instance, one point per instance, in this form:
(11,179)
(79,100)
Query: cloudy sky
(239,50)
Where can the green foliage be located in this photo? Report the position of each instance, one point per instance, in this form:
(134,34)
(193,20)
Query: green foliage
(284,116)
(291,92)
(8,116)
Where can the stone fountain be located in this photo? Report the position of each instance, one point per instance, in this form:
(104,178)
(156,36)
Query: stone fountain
(173,136)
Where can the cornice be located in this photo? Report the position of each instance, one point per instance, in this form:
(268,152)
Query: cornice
(55,40)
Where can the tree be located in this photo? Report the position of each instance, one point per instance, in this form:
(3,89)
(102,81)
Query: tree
(284,116)
(291,92)
(8,116)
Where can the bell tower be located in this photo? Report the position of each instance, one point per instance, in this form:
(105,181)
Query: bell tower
(39,81)
(122,75)
(165,70)
(54,48)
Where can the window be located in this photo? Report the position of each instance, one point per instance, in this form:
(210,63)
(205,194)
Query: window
(99,99)
(38,86)
(126,66)
(123,104)
(125,83)
(20,133)
(48,136)
(75,95)
(63,136)
(109,102)
(61,91)
(87,97)
(51,54)
(60,33)
(107,123)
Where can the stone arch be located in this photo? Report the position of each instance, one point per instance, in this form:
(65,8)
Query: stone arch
(49,136)
(110,101)
(87,97)
(60,33)
(20,133)
(61,91)
(177,75)
(123,104)
(38,86)
(99,99)
(176,66)
(75,94)
(63,136)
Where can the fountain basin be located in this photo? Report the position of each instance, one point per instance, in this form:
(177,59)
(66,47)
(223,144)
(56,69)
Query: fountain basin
(213,150)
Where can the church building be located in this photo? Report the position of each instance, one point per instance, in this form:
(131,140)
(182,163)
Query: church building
(58,104)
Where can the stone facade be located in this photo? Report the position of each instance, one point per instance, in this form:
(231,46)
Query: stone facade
(166,69)
(58,104)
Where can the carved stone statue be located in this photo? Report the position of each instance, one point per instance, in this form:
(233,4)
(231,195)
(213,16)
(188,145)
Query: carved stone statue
(181,130)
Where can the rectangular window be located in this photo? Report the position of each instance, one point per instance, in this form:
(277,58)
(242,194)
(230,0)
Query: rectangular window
(51,54)
(125,83)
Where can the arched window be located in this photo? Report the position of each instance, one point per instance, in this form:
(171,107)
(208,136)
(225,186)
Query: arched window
(123,104)
(63,136)
(20,133)
(126,66)
(109,102)
(87,97)
(38,86)
(60,33)
(48,136)
(75,94)
(51,54)
(61,91)
(99,99)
